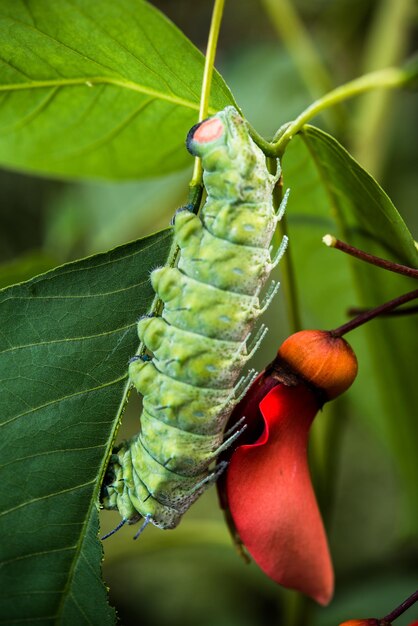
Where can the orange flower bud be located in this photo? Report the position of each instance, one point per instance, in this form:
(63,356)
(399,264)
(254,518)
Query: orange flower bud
(325,361)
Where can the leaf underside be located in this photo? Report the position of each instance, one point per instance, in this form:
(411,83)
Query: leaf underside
(65,341)
(87,88)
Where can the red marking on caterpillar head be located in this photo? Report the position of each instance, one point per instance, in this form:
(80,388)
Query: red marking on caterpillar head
(209,130)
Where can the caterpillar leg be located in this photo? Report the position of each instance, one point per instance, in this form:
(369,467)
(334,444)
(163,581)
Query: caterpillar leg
(280,252)
(235,426)
(271,292)
(235,431)
(210,479)
(256,341)
(243,385)
(282,206)
(147,520)
(114,530)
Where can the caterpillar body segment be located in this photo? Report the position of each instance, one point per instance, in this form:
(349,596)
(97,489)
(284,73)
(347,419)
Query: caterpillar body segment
(202,341)
(202,308)
(201,410)
(178,450)
(218,262)
(253,227)
(190,357)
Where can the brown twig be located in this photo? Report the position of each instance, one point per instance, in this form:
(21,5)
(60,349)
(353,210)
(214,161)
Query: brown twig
(333,242)
(372,313)
(388,619)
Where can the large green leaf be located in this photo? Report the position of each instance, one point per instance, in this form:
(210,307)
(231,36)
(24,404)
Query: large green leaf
(332,193)
(64,346)
(97,89)
(363,209)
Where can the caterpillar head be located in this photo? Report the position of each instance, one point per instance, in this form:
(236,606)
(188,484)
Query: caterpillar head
(224,131)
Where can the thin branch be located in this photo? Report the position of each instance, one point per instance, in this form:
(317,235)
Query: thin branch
(365,317)
(401,608)
(333,242)
(389,78)
(195,185)
(215,26)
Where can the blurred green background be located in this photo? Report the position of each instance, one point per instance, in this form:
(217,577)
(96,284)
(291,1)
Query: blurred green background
(193,575)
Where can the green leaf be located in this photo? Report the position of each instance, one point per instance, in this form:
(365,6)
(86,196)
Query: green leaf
(64,347)
(92,89)
(331,193)
(362,208)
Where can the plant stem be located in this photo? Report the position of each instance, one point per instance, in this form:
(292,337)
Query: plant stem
(215,26)
(333,242)
(264,145)
(372,313)
(296,39)
(389,78)
(299,610)
(195,185)
(288,270)
(386,46)
(401,608)
(292,300)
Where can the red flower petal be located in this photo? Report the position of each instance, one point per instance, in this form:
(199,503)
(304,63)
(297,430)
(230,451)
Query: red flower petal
(271,500)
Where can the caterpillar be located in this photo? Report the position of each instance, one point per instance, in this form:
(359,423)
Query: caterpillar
(201,341)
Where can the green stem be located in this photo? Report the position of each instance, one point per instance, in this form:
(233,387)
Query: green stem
(389,78)
(298,609)
(386,46)
(298,42)
(290,287)
(195,185)
(325,455)
(215,26)
(287,266)
(264,145)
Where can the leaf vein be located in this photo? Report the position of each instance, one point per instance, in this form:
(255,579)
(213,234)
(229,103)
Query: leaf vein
(114,132)
(32,115)
(46,497)
(68,339)
(62,399)
(99,80)
(62,451)
(23,557)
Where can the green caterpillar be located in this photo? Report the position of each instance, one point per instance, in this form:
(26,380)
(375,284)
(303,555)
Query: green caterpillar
(200,342)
